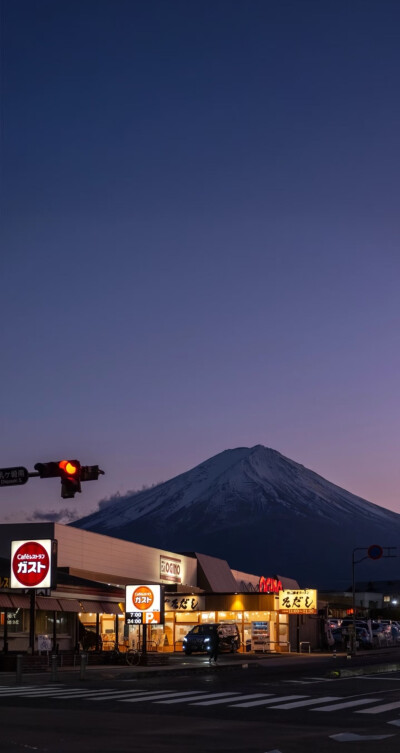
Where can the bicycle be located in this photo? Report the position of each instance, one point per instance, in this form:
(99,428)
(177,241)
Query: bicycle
(133,656)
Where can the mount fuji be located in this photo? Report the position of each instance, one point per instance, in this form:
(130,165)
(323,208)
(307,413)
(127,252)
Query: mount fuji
(262,512)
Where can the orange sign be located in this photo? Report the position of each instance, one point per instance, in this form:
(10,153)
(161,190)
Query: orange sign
(142,598)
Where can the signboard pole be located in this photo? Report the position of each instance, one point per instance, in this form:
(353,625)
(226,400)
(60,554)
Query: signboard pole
(55,633)
(144,640)
(32,615)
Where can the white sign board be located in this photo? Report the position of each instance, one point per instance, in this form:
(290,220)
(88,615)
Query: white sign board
(144,605)
(31,563)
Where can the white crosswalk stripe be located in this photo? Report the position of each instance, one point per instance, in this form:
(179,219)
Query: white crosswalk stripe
(223,700)
(196,696)
(160,695)
(381,709)
(250,704)
(119,694)
(348,704)
(307,702)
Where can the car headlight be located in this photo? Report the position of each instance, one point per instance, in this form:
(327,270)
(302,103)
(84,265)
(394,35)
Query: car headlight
(206,640)
(184,640)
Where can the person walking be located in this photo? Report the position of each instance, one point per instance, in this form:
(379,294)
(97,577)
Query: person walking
(214,647)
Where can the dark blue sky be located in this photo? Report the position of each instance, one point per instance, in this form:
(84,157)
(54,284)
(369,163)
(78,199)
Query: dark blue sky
(201,239)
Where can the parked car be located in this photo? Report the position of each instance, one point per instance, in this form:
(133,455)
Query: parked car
(334,622)
(198,639)
(363,637)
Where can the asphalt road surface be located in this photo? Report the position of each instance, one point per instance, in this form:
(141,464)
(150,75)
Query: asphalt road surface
(217,712)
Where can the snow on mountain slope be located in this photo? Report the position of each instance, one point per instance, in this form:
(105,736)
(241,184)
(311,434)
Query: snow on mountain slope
(261,512)
(235,484)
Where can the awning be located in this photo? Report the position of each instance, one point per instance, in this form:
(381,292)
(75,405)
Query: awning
(47,604)
(91,606)
(5,602)
(70,605)
(19,601)
(111,607)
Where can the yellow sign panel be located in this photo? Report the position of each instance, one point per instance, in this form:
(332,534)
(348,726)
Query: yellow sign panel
(298,601)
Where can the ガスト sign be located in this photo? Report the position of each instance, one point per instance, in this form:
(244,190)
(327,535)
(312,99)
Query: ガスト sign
(31,564)
(144,605)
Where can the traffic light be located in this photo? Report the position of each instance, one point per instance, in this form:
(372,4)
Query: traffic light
(90,472)
(68,470)
(48,470)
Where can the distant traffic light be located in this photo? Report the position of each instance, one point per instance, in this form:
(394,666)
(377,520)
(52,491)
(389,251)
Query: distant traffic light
(70,472)
(48,470)
(90,472)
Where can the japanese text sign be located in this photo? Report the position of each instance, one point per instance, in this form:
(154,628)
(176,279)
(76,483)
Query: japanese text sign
(184,603)
(31,563)
(300,601)
(144,605)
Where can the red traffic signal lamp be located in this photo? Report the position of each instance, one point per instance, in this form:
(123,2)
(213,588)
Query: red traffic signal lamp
(71,473)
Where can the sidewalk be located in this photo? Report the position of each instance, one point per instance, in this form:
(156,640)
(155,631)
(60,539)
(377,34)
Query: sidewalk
(369,662)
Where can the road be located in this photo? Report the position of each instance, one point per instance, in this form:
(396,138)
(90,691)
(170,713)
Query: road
(254,711)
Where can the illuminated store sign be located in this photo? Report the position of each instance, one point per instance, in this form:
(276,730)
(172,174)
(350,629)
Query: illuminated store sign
(170,569)
(269,585)
(33,564)
(298,601)
(144,605)
(188,603)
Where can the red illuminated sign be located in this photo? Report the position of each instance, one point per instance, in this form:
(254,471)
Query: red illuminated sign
(269,585)
(30,564)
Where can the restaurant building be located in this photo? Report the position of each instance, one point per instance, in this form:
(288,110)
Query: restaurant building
(84,605)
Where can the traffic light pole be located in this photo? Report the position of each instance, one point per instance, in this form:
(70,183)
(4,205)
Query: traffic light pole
(373,552)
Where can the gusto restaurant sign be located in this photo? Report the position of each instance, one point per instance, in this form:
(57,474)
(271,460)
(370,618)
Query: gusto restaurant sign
(33,563)
(269,585)
(144,605)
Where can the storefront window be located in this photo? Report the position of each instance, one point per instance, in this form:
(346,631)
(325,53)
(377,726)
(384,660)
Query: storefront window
(45,622)
(18,621)
(229,616)
(207,617)
(189,618)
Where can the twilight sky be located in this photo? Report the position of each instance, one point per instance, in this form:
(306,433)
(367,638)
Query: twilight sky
(200,240)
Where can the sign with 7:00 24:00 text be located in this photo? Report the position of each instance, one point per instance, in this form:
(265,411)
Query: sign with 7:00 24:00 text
(144,605)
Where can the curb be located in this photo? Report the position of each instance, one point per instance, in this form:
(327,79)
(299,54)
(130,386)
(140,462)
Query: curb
(372,669)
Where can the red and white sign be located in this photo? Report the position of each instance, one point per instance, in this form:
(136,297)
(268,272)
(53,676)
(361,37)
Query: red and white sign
(31,564)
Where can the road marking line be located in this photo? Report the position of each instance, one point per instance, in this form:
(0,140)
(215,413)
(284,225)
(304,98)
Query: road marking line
(309,702)
(347,704)
(158,695)
(196,695)
(396,722)
(265,701)
(239,698)
(109,694)
(381,709)
(347,737)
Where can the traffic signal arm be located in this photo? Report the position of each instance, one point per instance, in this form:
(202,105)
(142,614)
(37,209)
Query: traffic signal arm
(90,472)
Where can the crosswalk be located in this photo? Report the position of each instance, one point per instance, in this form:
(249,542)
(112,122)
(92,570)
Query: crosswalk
(372,704)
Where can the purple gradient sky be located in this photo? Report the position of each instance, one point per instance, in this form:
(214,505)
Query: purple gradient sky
(201,235)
